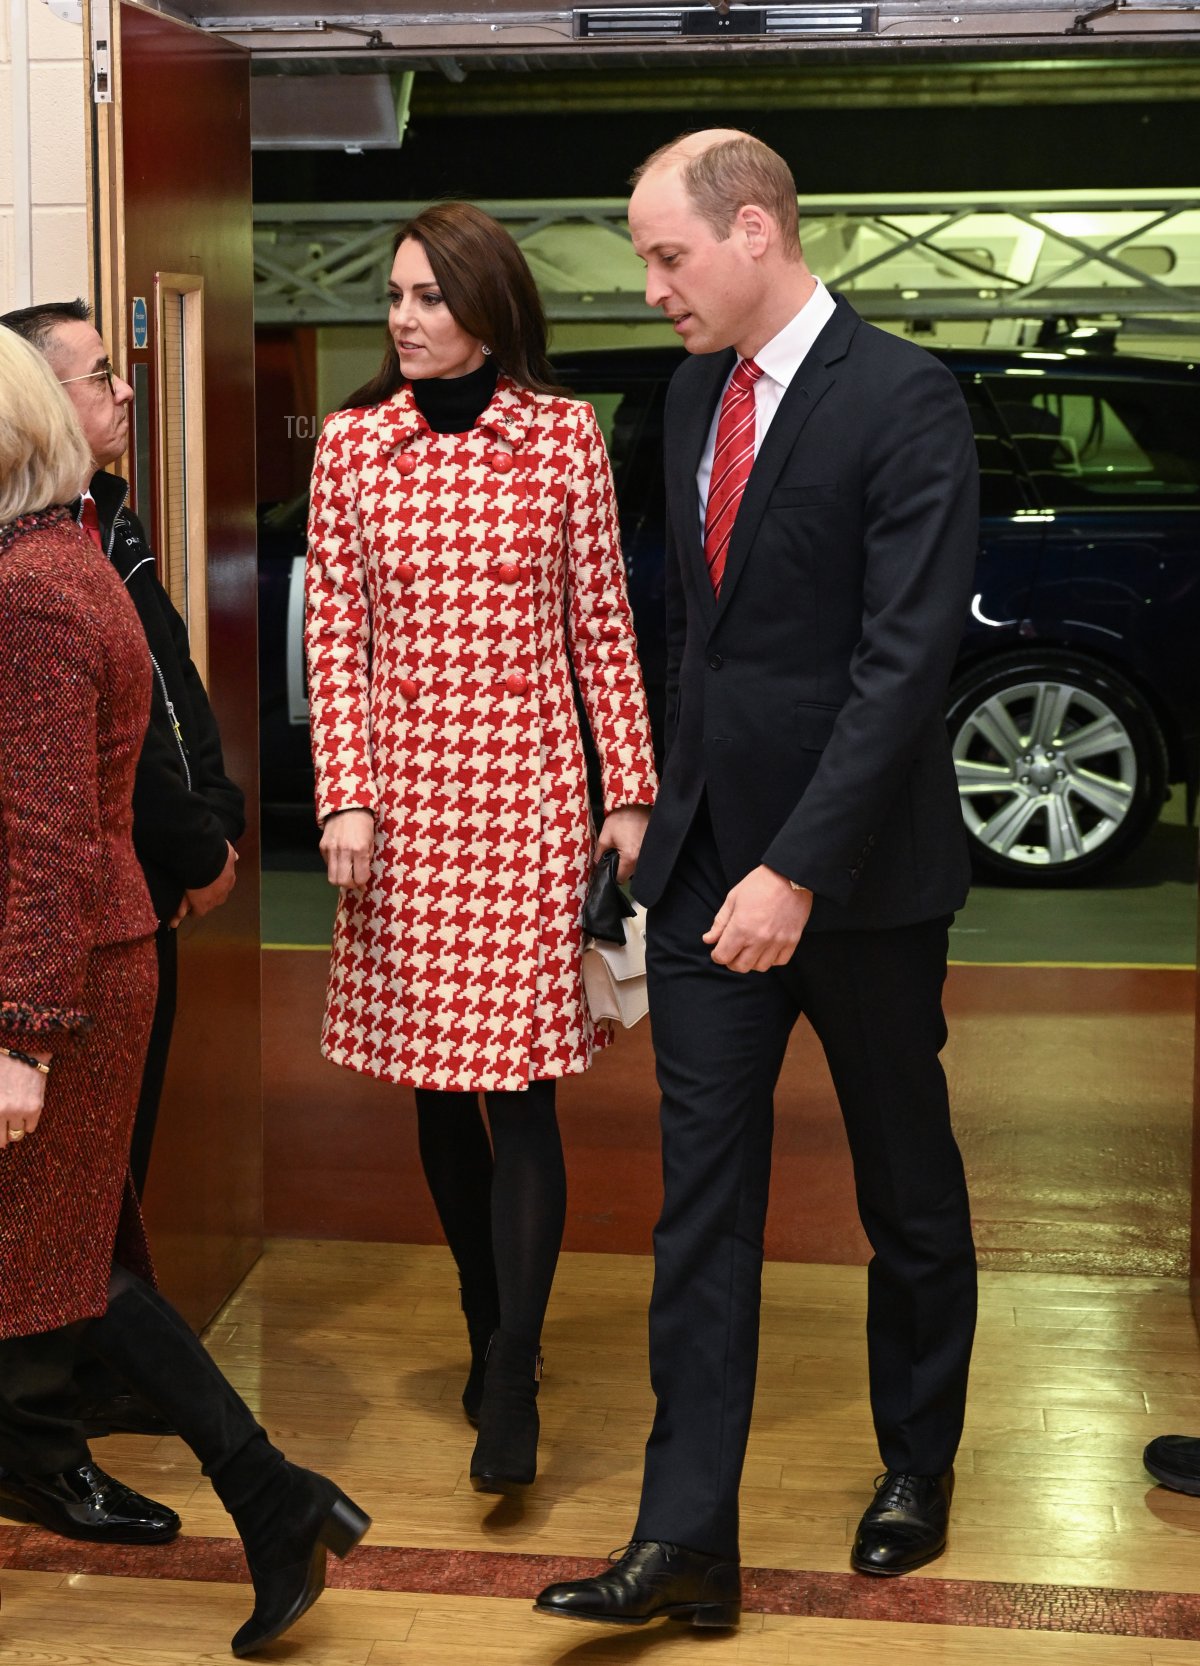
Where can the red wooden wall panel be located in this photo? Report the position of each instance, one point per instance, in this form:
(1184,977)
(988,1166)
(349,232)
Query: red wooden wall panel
(286,423)
(187,191)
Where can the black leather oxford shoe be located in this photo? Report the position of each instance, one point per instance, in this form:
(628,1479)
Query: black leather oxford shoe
(85,1503)
(1174,1461)
(652,1581)
(905,1525)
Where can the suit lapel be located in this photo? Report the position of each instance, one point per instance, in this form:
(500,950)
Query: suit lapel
(805,391)
(699,391)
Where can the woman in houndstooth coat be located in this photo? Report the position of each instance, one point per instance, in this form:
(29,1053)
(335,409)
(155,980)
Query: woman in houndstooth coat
(464,554)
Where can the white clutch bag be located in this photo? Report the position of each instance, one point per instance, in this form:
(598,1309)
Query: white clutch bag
(614,975)
(614,949)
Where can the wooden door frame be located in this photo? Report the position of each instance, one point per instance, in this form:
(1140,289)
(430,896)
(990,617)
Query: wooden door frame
(207,1247)
(105,182)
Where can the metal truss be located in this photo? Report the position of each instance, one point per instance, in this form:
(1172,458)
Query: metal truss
(984,256)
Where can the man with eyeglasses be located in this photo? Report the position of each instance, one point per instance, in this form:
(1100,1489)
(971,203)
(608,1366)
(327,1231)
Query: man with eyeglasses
(187,814)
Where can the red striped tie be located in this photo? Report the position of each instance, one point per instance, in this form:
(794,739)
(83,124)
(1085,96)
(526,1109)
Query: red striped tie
(733,458)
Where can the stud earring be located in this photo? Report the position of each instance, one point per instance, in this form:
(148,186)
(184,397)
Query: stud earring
(487,352)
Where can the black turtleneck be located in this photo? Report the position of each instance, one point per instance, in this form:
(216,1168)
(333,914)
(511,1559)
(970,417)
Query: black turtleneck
(452,404)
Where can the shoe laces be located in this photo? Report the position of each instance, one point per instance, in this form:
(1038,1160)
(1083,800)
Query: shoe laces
(622,1551)
(898,1489)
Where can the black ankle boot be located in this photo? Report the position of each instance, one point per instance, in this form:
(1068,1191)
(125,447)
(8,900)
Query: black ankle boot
(287,1517)
(287,1520)
(505,1455)
(483,1317)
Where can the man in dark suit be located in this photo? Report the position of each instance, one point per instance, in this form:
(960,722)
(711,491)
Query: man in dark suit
(805,855)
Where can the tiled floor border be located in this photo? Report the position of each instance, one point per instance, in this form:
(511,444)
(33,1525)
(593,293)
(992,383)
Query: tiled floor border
(1084,1609)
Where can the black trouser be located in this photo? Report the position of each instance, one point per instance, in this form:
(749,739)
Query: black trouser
(44,1378)
(142,1339)
(874,1000)
(39,1402)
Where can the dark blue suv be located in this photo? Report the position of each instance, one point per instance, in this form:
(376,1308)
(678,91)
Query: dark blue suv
(1076,697)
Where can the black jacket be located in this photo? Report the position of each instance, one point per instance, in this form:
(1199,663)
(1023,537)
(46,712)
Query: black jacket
(185,807)
(807,702)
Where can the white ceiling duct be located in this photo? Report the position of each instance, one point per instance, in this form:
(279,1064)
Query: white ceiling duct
(329,112)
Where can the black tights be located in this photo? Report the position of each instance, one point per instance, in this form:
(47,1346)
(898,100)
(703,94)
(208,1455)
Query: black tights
(502,1204)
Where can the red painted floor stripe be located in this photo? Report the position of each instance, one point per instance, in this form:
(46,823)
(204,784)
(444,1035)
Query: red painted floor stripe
(1086,1609)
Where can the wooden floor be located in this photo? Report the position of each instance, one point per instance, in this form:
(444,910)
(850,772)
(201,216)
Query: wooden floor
(1062,1550)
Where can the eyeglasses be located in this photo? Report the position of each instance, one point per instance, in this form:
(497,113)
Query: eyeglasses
(107,372)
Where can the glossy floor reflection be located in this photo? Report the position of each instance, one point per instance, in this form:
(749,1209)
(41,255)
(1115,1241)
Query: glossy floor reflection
(1071,1092)
(1062,1548)
(1070,1065)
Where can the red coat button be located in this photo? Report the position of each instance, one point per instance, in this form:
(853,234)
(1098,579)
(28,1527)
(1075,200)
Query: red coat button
(508,572)
(516,682)
(501,461)
(406,463)
(406,572)
(408,688)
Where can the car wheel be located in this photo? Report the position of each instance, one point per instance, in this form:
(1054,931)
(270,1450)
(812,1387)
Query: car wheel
(1061,767)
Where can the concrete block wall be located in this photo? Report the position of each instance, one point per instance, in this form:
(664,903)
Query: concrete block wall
(8,122)
(43,170)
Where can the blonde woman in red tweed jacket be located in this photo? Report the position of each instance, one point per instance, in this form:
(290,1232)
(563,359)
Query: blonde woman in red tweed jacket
(463,540)
(78,974)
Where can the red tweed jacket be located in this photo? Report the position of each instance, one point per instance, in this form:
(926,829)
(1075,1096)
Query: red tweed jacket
(74,700)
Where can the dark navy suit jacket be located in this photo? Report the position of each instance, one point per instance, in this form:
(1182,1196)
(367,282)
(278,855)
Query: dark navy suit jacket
(807,701)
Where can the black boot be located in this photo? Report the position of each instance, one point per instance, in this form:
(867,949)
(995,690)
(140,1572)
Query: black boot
(287,1517)
(505,1455)
(483,1317)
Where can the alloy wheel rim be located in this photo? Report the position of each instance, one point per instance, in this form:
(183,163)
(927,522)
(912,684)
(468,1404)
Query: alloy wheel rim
(1047,772)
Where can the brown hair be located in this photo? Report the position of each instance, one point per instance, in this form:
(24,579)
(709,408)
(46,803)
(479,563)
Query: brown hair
(726,176)
(487,284)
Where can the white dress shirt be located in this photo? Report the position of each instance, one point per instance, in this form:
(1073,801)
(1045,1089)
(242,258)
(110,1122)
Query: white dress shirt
(779,361)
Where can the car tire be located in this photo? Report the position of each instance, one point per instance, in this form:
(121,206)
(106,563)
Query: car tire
(1061,765)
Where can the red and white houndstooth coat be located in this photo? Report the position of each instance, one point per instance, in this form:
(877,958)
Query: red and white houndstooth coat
(442,570)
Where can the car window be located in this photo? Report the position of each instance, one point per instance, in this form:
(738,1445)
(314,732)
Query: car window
(1091,445)
(1000,485)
